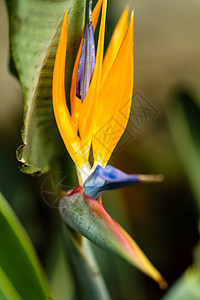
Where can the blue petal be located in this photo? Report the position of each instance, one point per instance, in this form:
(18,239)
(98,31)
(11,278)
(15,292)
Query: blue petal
(108,178)
(86,63)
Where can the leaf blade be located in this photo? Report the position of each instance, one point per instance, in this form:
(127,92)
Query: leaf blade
(34,32)
(18,259)
(7,290)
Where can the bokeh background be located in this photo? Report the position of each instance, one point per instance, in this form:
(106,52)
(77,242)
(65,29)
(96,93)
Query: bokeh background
(162,137)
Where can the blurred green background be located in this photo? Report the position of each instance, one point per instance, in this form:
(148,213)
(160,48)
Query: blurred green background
(162,137)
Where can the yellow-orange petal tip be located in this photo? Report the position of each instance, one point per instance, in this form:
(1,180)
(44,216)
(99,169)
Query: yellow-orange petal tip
(126,8)
(163,284)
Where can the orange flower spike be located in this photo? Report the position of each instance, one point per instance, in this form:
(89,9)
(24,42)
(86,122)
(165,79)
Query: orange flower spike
(100,117)
(114,101)
(61,112)
(90,103)
(75,101)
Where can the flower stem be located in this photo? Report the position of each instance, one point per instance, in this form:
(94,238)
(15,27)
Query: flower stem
(84,267)
(87,274)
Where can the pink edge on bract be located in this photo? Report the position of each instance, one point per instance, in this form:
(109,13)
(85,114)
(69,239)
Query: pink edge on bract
(78,189)
(129,250)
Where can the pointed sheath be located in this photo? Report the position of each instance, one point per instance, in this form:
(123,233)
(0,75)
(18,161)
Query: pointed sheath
(87,216)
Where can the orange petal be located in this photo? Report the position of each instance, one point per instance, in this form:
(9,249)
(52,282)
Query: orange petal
(76,102)
(90,103)
(114,45)
(114,101)
(61,112)
(95,14)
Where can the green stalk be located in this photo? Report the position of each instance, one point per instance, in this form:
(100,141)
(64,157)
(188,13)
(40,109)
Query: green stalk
(86,272)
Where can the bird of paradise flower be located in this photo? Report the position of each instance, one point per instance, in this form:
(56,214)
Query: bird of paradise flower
(99,88)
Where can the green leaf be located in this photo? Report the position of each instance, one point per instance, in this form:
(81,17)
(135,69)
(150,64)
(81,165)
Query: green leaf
(21,276)
(34,34)
(7,290)
(187,287)
(184,121)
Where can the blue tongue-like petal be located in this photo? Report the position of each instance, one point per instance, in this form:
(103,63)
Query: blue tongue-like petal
(86,63)
(108,178)
(111,178)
